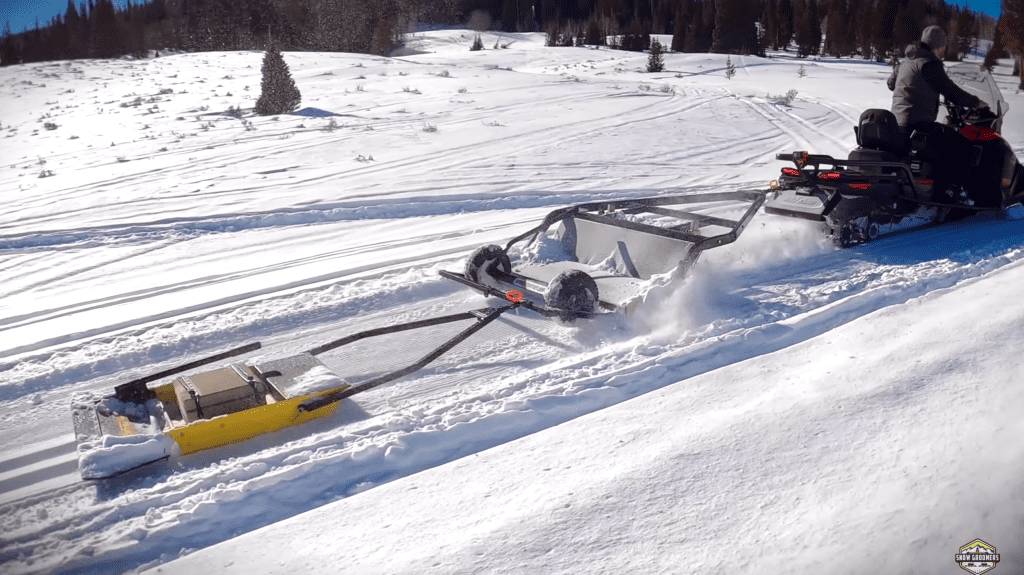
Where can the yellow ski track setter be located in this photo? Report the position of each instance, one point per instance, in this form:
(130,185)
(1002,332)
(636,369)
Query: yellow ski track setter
(139,424)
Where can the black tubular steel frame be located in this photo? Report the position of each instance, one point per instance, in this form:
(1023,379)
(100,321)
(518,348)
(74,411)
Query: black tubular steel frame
(482,316)
(596,211)
(600,212)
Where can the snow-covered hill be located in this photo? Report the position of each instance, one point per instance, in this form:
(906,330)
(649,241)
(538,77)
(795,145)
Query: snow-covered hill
(789,407)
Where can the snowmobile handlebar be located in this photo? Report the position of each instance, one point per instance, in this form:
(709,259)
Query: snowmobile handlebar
(960,117)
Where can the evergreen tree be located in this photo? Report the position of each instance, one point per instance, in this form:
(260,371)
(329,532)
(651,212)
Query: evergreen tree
(684,13)
(808,33)
(865,40)
(279,94)
(1011,24)
(836,38)
(707,27)
(107,37)
(73,32)
(770,24)
(995,51)
(735,31)
(965,32)
(908,25)
(785,23)
(10,49)
(882,24)
(730,69)
(656,62)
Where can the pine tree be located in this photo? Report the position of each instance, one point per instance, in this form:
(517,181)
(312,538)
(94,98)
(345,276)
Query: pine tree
(684,13)
(882,22)
(73,32)
(865,39)
(10,50)
(966,25)
(735,31)
(908,25)
(785,23)
(1011,24)
(836,39)
(808,33)
(730,69)
(656,62)
(107,37)
(279,94)
(770,24)
(995,51)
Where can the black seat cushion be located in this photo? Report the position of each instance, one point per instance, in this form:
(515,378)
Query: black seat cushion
(878,130)
(869,155)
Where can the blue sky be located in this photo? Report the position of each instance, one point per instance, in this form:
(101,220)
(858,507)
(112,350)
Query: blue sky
(22,14)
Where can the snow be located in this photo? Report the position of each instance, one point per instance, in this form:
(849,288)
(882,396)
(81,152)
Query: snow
(787,407)
(107,455)
(318,378)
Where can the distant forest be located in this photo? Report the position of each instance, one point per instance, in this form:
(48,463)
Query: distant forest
(869,29)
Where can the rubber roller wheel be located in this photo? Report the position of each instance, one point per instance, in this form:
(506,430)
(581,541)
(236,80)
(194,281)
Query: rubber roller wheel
(484,261)
(573,293)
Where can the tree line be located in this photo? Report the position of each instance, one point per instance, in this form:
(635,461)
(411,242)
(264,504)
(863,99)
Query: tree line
(869,29)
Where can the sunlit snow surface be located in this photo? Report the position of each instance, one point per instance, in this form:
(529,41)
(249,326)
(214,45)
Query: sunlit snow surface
(787,408)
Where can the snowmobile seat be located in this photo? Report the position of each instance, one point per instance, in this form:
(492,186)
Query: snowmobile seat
(878,130)
(870,155)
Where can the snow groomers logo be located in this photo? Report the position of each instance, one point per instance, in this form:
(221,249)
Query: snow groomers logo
(977,557)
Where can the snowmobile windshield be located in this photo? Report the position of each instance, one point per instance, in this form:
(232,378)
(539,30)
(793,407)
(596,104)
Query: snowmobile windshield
(979,82)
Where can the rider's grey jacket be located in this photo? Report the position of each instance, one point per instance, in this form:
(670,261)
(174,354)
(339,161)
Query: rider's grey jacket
(916,83)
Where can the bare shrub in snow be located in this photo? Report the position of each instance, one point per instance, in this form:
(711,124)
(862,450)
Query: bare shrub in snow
(50,126)
(429,128)
(411,90)
(478,44)
(786,100)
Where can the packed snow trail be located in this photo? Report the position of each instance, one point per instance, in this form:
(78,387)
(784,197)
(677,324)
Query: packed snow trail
(373,440)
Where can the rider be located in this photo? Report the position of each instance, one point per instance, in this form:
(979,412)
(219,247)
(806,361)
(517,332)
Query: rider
(916,83)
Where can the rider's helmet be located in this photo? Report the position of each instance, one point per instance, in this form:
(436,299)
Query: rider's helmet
(934,38)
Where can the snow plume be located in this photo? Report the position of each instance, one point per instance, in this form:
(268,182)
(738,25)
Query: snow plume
(702,304)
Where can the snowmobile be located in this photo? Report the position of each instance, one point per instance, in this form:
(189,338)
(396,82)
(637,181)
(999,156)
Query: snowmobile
(610,251)
(887,185)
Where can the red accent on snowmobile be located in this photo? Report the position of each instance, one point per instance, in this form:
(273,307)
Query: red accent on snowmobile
(979,134)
